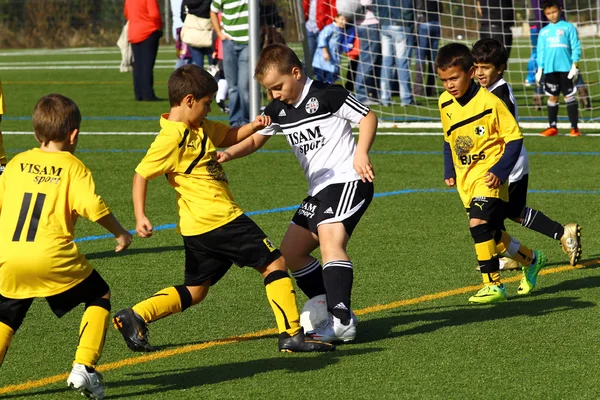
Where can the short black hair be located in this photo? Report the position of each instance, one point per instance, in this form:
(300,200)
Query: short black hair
(278,57)
(190,79)
(551,3)
(490,51)
(454,54)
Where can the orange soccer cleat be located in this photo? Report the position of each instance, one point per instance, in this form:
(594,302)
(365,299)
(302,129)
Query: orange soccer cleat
(552,131)
(575,132)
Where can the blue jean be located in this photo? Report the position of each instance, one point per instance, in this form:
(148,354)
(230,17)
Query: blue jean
(394,49)
(235,67)
(427,46)
(198,54)
(312,45)
(369,61)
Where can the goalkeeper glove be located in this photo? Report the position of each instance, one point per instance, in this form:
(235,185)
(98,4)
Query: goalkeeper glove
(538,75)
(574,72)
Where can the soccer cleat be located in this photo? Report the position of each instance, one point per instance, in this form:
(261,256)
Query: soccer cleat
(575,132)
(571,242)
(530,273)
(89,384)
(334,331)
(299,343)
(489,294)
(508,264)
(134,330)
(552,131)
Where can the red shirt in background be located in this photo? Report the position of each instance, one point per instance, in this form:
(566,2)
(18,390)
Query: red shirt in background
(144,19)
(326,12)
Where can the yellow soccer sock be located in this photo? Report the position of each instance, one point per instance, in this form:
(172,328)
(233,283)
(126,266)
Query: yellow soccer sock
(282,299)
(514,249)
(488,262)
(159,305)
(491,278)
(6,335)
(92,333)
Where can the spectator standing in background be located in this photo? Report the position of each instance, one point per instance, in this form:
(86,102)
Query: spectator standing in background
(497,17)
(317,14)
(369,62)
(145,24)
(327,57)
(428,38)
(234,35)
(181,49)
(201,9)
(396,18)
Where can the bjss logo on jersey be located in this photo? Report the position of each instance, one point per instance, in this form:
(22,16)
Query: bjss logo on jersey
(312,105)
(480,130)
(560,32)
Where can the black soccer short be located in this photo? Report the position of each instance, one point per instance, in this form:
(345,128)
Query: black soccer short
(557,82)
(211,254)
(489,209)
(340,202)
(517,197)
(13,311)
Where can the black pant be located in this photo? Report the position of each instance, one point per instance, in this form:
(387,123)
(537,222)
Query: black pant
(500,32)
(144,57)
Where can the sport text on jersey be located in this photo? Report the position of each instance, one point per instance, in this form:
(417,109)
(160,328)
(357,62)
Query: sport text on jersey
(308,140)
(307,209)
(43,173)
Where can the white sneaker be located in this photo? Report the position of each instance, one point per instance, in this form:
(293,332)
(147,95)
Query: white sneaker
(89,384)
(334,331)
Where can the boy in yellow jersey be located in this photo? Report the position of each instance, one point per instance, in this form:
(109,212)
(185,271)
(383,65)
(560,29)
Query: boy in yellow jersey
(482,145)
(42,192)
(2,155)
(216,233)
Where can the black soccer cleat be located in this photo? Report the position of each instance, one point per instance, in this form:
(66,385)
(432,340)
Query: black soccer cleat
(134,330)
(299,343)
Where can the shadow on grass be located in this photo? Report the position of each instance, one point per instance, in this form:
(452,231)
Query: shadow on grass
(188,378)
(133,252)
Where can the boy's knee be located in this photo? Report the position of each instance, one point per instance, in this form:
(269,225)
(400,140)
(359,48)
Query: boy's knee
(102,302)
(192,295)
(481,233)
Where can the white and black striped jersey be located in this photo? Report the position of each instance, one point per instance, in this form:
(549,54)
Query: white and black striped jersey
(503,91)
(317,127)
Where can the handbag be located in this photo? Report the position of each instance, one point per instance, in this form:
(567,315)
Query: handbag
(197,32)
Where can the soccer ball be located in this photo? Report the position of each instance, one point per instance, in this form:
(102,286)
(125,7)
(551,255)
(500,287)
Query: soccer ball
(314,313)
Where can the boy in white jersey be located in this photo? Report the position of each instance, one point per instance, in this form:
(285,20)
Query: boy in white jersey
(42,191)
(216,232)
(315,118)
(490,59)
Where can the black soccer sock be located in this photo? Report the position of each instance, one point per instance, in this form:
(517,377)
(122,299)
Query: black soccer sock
(552,113)
(337,277)
(537,221)
(573,112)
(310,279)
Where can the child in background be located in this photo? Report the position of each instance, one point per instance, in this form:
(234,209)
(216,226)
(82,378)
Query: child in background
(42,192)
(327,57)
(490,59)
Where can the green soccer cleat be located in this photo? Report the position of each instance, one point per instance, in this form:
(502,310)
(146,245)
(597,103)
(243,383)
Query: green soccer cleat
(489,294)
(530,273)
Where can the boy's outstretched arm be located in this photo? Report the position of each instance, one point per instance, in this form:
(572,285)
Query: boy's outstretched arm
(237,134)
(143,227)
(367,128)
(111,224)
(248,146)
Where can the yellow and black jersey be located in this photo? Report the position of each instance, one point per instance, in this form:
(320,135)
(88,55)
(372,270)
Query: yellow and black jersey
(477,133)
(41,195)
(188,157)
(2,107)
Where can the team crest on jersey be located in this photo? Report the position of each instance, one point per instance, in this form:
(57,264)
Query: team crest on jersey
(269,245)
(480,130)
(463,145)
(312,105)
(560,32)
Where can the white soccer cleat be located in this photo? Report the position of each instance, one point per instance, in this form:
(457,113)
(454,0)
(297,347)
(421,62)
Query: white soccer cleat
(89,384)
(508,264)
(335,331)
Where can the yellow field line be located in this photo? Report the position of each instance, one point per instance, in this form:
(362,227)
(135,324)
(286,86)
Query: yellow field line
(253,335)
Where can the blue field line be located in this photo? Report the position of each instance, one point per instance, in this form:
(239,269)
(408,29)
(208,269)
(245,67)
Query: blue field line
(383,194)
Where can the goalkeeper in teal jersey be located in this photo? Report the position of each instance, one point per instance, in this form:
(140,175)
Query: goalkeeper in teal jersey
(559,51)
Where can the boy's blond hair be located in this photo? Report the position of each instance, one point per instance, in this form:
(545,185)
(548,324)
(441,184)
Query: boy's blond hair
(278,57)
(190,79)
(54,117)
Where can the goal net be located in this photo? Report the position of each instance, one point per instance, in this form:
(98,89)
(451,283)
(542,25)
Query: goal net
(399,82)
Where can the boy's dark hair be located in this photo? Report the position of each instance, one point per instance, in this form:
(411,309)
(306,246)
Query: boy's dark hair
(54,117)
(490,51)
(454,54)
(190,79)
(551,3)
(278,57)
